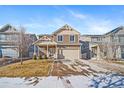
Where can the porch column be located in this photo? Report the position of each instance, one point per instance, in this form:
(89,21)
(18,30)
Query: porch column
(47,50)
(34,50)
(119,52)
(38,51)
(98,53)
(56,52)
(61,51)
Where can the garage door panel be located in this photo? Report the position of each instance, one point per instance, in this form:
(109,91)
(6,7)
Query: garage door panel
(71,54)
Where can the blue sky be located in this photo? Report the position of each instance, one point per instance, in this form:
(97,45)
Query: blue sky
(46,19)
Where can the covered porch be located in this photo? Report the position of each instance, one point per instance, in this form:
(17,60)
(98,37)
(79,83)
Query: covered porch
(96,52)
(47,48)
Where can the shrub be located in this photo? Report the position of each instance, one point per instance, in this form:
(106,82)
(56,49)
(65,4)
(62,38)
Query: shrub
(39,57)
(45,57)
(34,57)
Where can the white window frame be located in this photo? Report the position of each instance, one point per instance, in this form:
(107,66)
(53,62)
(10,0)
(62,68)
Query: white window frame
(70,39)
(62,38)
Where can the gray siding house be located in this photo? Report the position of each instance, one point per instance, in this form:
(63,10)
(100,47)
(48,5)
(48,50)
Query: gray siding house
(9,36)
(106,46)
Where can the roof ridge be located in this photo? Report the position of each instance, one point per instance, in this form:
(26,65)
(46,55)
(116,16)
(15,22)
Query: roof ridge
(115,30)
(6,27)
(65,27)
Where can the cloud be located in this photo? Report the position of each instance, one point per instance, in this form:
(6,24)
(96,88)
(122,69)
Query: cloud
(90,24)
(84,23)
(1,26)
(41,27)
(59,21)
(98,26)
(33,25)
(77,15)
(98,29)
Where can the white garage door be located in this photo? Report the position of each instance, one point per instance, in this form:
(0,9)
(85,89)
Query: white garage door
(9,52)
(71,54)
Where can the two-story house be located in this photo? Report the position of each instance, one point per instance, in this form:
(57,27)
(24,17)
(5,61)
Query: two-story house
(87,43)
(109,45)
(61,44)
(115,41)
(9,39)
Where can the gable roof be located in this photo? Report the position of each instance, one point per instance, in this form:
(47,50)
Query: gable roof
(115,30)
(108,33)
(7,27)
(44,41)
(41,35)
(65,27)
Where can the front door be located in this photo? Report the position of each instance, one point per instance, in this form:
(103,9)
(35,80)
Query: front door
(51,52)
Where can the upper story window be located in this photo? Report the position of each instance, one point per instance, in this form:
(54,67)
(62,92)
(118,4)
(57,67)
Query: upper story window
(8,37)
(60,38)
(2,37)
(96,39)
(112,38)
(121,39)
(72,38)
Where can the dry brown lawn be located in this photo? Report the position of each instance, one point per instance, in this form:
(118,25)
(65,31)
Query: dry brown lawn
(29,68)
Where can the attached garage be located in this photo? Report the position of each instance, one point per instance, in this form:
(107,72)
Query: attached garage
(10,52)
(71,54)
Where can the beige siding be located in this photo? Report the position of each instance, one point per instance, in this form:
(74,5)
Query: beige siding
(67,32)
(49,36)
(85,38)
(71,54)
(66,40)
(69,47)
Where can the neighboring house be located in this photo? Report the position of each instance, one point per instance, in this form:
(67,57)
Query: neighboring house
(9,37)
(32,48)
(87,45)
(84,49)
(61,44)
(106,46)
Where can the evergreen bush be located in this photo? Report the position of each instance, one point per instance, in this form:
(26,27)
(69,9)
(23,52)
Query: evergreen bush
(34,57)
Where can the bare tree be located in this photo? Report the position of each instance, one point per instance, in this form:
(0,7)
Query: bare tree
(108,50)
(24,43)
(19,40)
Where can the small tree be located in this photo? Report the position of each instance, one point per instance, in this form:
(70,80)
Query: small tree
(24,43)
(108,50)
